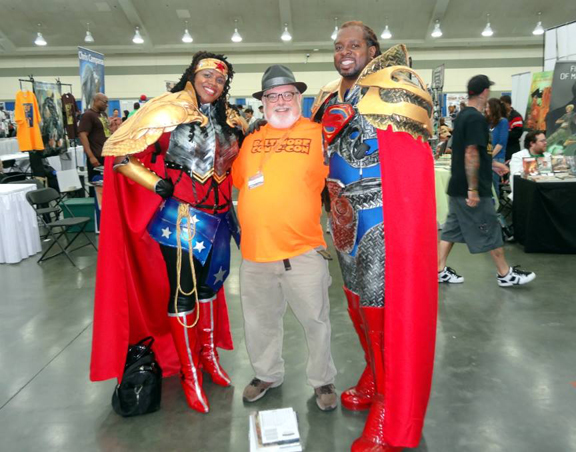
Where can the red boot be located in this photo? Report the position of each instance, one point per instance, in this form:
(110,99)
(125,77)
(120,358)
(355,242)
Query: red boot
(185,340)
(358,397)
(372,438)
(209,360)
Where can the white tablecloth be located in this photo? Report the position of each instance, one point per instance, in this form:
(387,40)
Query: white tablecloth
(19,235)
(8,146)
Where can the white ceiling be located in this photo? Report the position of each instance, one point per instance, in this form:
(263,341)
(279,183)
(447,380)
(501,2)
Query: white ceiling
(211,23)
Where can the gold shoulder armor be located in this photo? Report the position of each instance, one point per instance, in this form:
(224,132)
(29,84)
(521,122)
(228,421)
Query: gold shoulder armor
(233,119)
(396,95)
(324,93)
(162,114)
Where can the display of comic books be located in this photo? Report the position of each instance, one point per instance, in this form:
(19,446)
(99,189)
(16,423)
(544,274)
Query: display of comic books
(544,165)
(530,166)
(559,164)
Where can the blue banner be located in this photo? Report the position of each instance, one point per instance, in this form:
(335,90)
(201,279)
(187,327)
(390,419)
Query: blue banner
(91,74)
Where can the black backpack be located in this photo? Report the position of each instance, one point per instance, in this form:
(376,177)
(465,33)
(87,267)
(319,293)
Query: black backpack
(141,389)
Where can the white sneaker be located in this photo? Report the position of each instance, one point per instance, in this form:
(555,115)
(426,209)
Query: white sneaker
(448,275)
(515,277)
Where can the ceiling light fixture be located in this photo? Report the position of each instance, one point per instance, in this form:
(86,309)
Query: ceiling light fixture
(88,37)
(386,34)
(286,36)
(487,32)
(39,41)
(437,32)
(236,36)
(335,32)
(539,30)
(187,38)
(137,39)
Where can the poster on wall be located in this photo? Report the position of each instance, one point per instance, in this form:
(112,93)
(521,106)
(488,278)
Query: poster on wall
(91,74)
(52,128)
(561,120)
(538,101)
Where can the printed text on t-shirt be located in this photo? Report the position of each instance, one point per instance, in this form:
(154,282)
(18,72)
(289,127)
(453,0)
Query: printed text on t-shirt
(297,145)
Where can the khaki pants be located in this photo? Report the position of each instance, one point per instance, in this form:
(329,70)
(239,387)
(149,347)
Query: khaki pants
(266,289)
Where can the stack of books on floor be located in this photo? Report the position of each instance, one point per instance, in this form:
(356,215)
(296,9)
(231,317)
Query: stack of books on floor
(274,431)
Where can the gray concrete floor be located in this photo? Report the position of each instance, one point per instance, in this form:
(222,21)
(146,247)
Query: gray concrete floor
(505,374)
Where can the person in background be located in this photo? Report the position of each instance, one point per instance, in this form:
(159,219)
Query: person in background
(515,127)
(261,112)
(136,108)
(249,116)
(471,217)
(93,131)
(126,114)
(115,121)
(495,114)
(534,146)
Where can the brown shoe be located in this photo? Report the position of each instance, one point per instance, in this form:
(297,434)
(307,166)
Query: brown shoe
(257,389)
(326,398)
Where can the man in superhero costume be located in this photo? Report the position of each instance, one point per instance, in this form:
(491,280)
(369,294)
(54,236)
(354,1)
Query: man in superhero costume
(376,119)
(168,238)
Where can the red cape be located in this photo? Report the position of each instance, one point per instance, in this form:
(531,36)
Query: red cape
(132,290)
(411,281)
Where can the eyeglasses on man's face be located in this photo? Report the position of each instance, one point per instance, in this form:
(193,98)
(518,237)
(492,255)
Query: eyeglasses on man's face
(287,96)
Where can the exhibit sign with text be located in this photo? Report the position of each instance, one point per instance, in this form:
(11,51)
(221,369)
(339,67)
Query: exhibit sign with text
(539,100)
(91,74)
(561,120)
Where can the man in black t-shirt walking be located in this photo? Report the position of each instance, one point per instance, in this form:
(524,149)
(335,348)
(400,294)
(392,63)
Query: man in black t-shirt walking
(472,217)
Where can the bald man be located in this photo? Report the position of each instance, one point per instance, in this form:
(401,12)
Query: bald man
(94,131)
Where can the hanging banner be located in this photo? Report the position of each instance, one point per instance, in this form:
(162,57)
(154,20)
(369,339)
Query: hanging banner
(561,120)
(91,74)
(52,128)
(538,101)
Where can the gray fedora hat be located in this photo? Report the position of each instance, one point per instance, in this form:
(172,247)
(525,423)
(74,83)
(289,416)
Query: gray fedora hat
(278,75)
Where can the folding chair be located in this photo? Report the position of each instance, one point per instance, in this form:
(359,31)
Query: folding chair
(50,218)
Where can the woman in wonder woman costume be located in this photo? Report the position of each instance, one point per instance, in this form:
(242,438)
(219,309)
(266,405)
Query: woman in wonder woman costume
(166,225)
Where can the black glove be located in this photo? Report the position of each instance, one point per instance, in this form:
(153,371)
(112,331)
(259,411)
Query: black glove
(255,126)
(164,188)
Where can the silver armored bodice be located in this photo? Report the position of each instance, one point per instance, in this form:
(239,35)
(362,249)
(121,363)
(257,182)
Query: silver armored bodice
(203,151)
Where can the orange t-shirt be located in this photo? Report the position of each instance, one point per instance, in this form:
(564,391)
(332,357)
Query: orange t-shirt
(28,120)
(281,217)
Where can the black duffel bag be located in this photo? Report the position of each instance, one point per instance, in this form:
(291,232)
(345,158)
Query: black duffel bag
(141,389)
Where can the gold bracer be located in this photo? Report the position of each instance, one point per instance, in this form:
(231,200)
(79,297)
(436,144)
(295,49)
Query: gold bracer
(136,171)
(396,95)
(234,119)
(162,114)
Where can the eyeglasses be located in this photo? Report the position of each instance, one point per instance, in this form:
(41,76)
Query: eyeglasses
(287,96)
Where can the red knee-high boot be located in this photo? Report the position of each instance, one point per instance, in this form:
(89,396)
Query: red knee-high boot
(359,397)
(187,347)
(372,438)
(209,359)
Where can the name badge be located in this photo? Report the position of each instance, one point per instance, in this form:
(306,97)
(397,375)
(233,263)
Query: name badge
(256,180)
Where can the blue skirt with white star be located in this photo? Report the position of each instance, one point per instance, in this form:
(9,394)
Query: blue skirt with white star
(211,237)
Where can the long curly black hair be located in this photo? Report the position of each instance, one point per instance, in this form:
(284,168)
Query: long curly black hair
(220,103)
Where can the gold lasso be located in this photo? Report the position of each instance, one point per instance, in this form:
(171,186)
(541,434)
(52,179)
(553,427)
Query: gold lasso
(184,212)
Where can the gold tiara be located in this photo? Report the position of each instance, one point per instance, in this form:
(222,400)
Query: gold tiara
(213,63)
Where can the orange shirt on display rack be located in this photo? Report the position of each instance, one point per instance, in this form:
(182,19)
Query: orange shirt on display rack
(279,204)
(28,119)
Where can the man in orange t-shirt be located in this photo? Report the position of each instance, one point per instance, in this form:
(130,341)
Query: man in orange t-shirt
(280,174)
